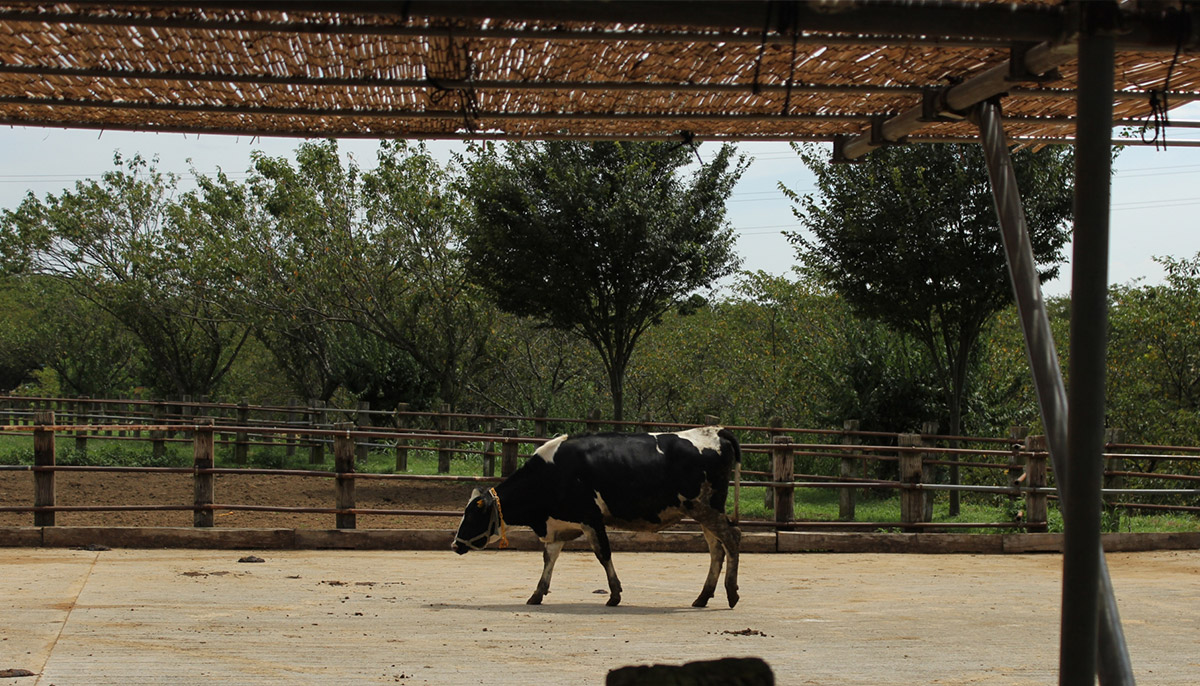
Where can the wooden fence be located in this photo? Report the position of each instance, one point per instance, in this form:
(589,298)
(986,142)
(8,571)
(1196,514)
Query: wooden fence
(1013,468)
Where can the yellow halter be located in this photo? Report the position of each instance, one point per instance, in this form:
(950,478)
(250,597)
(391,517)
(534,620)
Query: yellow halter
(500,512)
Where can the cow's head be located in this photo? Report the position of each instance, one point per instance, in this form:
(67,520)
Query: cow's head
(480,524)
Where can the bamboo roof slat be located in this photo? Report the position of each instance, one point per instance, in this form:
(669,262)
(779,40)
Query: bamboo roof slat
(715,70)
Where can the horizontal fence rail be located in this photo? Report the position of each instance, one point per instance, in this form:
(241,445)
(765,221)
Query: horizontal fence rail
(1012,468)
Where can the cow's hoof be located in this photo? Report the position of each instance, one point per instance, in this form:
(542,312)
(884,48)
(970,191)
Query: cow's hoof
(702,601)
(535,599)
(733,598)
(614,600)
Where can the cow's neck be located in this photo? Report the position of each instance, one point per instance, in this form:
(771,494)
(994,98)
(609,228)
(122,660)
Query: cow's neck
(522,501)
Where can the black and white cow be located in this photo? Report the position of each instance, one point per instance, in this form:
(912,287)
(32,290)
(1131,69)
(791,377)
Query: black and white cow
(577,485)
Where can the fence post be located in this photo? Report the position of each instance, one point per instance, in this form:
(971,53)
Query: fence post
(489,447)
(1116,463)
(106,410)
(362,421)
(592,423)
(80,434)
(316,446)
(1035,477)
(186,410)
(136,416)
(158,437)
(120,410)
(442,421)
(241,441)
(203,451)
(846,469)
(508,452)
(43,456)
(294,417)
(773,426)
(539,423)
(1016,464)
(928,474)
(401,443)
(912,500)
(783,471)
(343,460)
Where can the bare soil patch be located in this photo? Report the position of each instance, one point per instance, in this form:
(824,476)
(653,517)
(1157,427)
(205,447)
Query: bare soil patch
(98,488)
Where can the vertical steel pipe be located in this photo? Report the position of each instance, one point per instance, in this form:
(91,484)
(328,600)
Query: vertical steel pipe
(1113,666)
(1082,552)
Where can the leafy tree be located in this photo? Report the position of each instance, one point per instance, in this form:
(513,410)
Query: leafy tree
(92,353)
(1154,356)
(601,239)
(788,348)
(530,367)
(323,252)
(270,247)
(909,238)
(113,243)
(21,352)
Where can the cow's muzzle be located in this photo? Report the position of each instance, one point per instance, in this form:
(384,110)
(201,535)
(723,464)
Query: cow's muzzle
(462,546)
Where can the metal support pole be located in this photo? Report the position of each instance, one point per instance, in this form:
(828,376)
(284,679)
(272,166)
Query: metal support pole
(1114,666)
(1082,552)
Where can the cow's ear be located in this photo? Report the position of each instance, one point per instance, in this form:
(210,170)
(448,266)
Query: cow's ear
(474,494)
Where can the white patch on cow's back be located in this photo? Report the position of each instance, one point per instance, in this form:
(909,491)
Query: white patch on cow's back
(546,450)
(556,528)
(703,437)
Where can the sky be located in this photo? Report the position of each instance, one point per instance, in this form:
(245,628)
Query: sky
(1155,194)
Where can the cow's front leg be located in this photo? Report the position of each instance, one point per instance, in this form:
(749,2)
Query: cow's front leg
(716,556)
(549,557)
(598,537)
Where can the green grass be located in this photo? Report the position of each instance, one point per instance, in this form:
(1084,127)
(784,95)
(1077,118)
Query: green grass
(810,504)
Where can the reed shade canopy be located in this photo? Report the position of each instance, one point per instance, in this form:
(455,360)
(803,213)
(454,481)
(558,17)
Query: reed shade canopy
(859,74)
(869,72)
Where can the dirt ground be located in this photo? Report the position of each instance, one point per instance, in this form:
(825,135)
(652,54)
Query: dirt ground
(131,617)
(99,488)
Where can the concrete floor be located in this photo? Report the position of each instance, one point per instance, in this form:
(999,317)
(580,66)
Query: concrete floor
(127,617)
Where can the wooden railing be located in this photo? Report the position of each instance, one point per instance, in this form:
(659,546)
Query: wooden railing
(1017,466)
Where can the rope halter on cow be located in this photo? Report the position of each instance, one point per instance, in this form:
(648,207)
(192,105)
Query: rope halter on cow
(497,523)
(500,516)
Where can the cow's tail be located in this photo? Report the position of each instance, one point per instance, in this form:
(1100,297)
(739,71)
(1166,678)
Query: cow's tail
(727,435)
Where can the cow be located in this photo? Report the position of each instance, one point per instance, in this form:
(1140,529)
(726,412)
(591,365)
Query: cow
(578,485)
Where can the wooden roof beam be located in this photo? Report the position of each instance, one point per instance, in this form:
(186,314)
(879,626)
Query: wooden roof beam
(511,85)
(958,99)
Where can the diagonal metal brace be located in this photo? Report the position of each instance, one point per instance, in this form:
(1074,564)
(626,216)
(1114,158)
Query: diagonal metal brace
(1113,665)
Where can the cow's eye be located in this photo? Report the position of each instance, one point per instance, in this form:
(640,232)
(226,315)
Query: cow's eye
(479,503)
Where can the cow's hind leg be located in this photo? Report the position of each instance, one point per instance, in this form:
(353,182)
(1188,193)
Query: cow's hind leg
(716,554)
(730,538)
(549,557)
(598,537)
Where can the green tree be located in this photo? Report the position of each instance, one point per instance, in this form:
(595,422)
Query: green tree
(92,353)
(601,239)
(21,351)
(323,251)
(1154,356)
(113,242)
(909,238)
(269,244)
(531,367)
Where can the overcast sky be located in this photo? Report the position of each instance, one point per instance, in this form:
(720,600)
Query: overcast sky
(1156,194)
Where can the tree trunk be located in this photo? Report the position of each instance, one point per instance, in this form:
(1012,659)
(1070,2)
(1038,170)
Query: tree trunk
(616,386)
